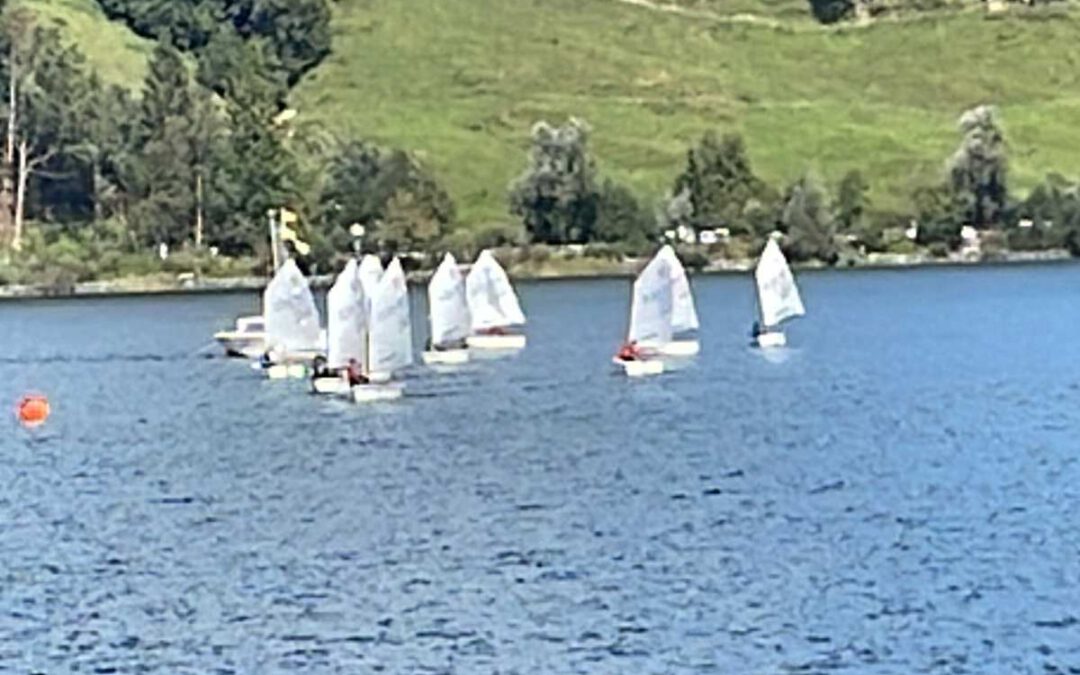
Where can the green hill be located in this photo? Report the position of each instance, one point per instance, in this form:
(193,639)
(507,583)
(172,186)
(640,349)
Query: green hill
(462,81)
(118,55)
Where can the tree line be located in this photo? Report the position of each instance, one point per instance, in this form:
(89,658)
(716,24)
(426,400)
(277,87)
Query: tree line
(562,199)
(199,158)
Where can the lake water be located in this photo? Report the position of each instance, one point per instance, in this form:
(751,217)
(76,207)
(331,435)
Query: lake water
(897,494)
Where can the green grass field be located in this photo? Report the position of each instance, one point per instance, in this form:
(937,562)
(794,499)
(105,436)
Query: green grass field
(462,81)
(118,55)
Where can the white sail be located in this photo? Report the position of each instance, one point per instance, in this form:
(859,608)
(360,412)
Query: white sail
(371,270)
(492,300)
(449,308)
(345,319)
(778,296)
(390,327)
(292,321)
(683,313)
(653,303)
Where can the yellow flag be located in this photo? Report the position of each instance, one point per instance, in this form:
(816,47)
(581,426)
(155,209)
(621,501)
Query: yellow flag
(288,234)
(288,216)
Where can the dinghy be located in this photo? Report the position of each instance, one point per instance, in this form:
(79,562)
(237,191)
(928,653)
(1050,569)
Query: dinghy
(684,318)
(346,317)
(493,306)
(371,271)
(449,312)
(389,338)
(778,296)
(651,314)
(292,323)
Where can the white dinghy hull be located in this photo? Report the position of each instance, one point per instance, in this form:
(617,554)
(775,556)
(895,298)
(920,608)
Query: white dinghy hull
(496,342)
(330,386)
(449,357)
(286,371)
(676,348)
(770,340)
(640,368)
(375,393)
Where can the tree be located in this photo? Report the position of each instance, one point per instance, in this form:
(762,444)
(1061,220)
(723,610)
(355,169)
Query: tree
(940,216)
(556,197)
(807,219)
(620,217)
(831,11)
(175,147)
(851,202)
(720,183)
(978,168)
(48,94)
(399,201)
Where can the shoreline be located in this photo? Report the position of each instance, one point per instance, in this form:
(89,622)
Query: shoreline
(558,270)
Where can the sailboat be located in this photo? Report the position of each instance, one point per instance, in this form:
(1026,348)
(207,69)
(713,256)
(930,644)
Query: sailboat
(493,306)
(346,321)
(370,271)
(684,318)
(292,323)
(248,337)
(388,347)
(778,296)
(651,314)
(449,315)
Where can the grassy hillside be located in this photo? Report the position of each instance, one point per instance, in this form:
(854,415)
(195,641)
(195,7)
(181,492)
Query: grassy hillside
(463,80)
(117,54)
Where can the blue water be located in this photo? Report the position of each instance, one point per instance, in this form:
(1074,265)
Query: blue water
(895,493)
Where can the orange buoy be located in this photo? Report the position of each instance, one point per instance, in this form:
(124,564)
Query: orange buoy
(33,410)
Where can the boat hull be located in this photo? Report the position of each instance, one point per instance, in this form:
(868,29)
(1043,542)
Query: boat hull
(675,348)
(496,342)
(449,357)
(640,368)
(375,393)
(771,339)
(286,371)
(331,386)
(241,345)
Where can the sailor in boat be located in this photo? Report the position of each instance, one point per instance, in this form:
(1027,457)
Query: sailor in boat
(629,352)
(319,369)
(756,330)
(355,374)
(494,330)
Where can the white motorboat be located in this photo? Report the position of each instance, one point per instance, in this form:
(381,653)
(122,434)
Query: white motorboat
(247,340)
